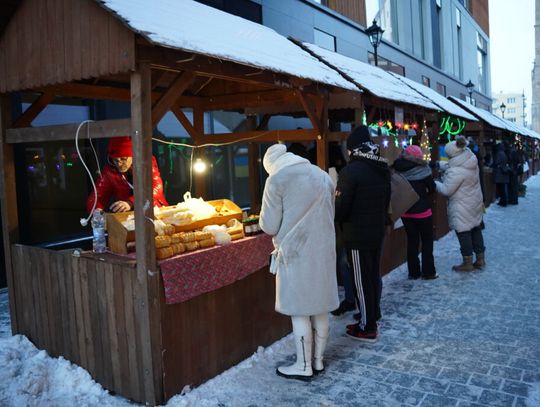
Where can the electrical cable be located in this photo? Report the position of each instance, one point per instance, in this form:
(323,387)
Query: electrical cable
(84,221)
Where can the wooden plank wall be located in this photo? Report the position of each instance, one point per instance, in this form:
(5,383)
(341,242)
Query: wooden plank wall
(57,41)
(353,9)
(210,333)
(84,310)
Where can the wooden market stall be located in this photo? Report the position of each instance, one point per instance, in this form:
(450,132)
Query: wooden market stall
(398,101)
(113,315)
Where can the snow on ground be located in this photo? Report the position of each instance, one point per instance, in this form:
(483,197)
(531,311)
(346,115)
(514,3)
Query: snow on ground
(462,340)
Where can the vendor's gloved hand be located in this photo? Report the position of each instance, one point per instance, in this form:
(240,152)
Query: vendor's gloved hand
(120,206)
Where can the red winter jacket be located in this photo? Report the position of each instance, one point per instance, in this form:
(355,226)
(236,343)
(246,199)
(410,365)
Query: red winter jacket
(112,186)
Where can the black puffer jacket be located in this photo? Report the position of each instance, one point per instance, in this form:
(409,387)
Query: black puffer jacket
(362,198)
(419,176)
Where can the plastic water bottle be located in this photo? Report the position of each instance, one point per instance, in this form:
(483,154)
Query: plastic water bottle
(99,243)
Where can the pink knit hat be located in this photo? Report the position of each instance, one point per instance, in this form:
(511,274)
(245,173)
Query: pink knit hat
(414,151)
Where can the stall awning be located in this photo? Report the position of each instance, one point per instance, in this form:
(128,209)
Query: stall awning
(193,27)
(367,77)
(437,98)
(492,119)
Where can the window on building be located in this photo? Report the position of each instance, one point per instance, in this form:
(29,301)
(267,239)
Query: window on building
(511,119)
(459,45)
(422,33)
(510,100)
(243,8)
(324,40)
(426,81)
(511,110)
(441,89)
(438,42)
(386,64)
(481,44)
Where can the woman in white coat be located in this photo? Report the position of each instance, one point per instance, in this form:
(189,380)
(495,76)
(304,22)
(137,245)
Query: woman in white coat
(461,184)
(298,211)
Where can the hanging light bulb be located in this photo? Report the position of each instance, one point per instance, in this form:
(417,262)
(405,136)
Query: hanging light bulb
(199,166)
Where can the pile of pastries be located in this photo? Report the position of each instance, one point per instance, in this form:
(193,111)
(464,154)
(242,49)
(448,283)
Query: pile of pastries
(170,243)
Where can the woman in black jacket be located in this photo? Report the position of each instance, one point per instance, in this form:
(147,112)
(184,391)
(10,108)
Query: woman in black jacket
(418,220)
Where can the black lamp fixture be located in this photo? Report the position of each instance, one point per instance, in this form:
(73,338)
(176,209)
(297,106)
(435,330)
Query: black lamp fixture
(503,108)
(470,88)
(375,36)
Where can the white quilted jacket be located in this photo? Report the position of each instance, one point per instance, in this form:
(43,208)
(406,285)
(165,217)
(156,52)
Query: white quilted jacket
(461,184)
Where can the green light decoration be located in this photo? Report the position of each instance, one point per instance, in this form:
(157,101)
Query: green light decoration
(451,126)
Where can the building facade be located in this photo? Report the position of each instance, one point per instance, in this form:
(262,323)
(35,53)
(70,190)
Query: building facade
(535,108)
(441,43)
(513,104)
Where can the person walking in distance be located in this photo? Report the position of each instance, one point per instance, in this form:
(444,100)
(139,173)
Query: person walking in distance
(362,199)
(298,212)
(461,185)
(418,219)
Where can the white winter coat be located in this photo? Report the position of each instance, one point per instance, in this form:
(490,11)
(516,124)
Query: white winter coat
(298,211)
(461,184)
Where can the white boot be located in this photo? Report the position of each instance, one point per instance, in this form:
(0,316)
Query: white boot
(320,337)
(301,369)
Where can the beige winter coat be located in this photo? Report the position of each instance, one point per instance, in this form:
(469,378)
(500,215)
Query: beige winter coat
(298,211)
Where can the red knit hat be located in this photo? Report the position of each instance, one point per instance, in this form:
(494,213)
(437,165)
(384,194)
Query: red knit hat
(414,151)
(120,147)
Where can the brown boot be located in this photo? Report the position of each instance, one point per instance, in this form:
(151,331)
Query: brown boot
(480,261)
(467,264)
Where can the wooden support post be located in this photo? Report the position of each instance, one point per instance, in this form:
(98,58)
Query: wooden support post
(172,94)
(10,224)
(147,289)
(200,179)
(254,166)
(322,139)
(434,138)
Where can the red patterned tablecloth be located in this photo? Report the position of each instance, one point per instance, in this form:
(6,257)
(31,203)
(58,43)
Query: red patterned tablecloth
(192,274)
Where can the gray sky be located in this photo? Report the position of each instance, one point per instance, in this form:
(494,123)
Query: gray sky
(511,32)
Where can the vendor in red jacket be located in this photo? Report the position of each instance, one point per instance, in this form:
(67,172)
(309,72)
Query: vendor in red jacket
(115,185)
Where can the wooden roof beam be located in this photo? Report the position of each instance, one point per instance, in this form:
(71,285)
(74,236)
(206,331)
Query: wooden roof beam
(170,96)
(25,119)
(261,136)
(312,114)
(98,129)
(184,121)
(84,91)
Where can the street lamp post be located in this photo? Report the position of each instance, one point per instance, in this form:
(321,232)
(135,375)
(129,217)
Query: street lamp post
(470,88)
(503,108)
(375,36)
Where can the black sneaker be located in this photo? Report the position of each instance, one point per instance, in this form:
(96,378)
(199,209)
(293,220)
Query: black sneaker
(344,307)
(430,276)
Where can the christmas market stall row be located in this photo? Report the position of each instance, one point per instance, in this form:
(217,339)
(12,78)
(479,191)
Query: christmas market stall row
(183,291)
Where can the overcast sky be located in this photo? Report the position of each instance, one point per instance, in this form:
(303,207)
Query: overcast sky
(511,31)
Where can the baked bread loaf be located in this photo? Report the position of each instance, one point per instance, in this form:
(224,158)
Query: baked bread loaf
(164,252)
(162,241)
(176,238)
(187,237)
(203,236)
(178,248)
(207,242)
(190,246)
(169,229)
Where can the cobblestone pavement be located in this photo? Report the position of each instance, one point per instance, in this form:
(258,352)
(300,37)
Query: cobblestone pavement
(465,339)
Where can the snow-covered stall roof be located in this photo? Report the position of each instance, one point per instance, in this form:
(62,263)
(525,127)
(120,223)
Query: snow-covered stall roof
(438,99)
(482,114)
(494,120)
(194,27)
(375,80)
